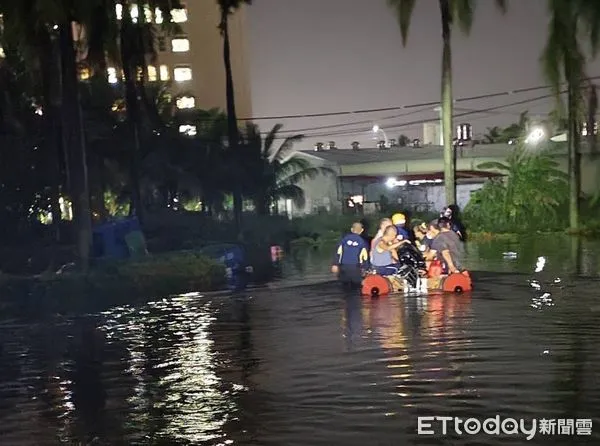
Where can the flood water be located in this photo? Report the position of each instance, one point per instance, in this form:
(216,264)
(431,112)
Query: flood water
(302,364)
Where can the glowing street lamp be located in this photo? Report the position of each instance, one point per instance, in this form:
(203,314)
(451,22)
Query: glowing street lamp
(536,135)
(377,129)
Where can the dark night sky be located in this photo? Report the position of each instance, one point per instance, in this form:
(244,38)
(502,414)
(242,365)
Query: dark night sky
(314,56)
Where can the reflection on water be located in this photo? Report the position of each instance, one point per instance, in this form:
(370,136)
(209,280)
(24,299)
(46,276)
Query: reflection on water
(311,365)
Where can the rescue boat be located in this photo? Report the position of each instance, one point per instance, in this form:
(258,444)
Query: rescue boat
(375,285)
(416,277)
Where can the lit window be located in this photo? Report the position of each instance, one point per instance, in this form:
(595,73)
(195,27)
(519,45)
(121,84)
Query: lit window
(139,74)
(180,45)
(152,74)
(188,130)
(182,74)
(148,14)
(179,15)
(135,13)
(164,73)
(2,53)
(186,102)
(112,75)
(158,16)
(119,11)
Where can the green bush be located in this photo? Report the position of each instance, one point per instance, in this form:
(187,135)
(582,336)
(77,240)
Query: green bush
(174,272)
(532,196)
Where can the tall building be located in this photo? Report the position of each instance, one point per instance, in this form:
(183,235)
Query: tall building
(192,60)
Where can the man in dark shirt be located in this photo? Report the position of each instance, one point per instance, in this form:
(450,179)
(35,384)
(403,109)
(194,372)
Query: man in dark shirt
(351,256)
(448,247)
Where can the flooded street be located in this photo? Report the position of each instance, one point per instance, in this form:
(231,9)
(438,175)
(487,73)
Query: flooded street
(300,363)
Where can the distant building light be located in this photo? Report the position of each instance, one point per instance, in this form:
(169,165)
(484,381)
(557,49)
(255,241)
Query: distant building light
(84,74)
(148,14)
(180,45)
(152,73)
(188,130)
(112,75)
(186,102)
(165,75)
(119,11)
(135,13)
(179,15)
(158,16)
(182,74)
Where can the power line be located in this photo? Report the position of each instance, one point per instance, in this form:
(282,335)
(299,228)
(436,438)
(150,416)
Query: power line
(404,107)
(379,120)
(422,121)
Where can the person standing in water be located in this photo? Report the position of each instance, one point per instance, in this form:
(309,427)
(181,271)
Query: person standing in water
(352,256)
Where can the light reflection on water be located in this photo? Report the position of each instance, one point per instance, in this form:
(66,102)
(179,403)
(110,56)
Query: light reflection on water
(307,365)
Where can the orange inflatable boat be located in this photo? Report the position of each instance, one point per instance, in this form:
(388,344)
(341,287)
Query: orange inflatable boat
(376,285)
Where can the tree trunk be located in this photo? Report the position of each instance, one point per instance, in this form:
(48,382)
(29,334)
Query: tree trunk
(591,121)
(53,92)
(261,202)
(232,128)
(72,114)
(133,115)
(449,160)
(574,157)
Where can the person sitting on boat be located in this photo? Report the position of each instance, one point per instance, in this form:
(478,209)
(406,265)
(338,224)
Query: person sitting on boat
(447,246)
(399,221)
(420,232)
(384,256)
(383,224)
(352,256)
(451,213)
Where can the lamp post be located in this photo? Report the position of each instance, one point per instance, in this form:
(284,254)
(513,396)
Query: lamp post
(377,129)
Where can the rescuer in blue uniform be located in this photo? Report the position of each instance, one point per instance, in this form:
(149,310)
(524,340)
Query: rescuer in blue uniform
(352,256)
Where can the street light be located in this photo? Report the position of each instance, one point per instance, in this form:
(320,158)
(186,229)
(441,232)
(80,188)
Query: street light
(377,129)
(535,136)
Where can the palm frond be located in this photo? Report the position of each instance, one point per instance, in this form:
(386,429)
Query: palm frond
(306,174)
(404,10)
(462,14)
(291,192)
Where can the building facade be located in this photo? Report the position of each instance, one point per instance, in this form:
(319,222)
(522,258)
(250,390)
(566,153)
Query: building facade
(191,60)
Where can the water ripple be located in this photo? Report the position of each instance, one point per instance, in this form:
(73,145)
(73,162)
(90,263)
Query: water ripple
(306,365)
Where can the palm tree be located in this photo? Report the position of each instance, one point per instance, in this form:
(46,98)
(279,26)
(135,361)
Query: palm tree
(453,12)
(43,33)
(564,58)
(275,171)
(227,8)
(129,42)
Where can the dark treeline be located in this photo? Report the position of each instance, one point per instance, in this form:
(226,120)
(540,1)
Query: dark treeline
(80,149)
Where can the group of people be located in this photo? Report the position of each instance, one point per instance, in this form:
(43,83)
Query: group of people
(441,241)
